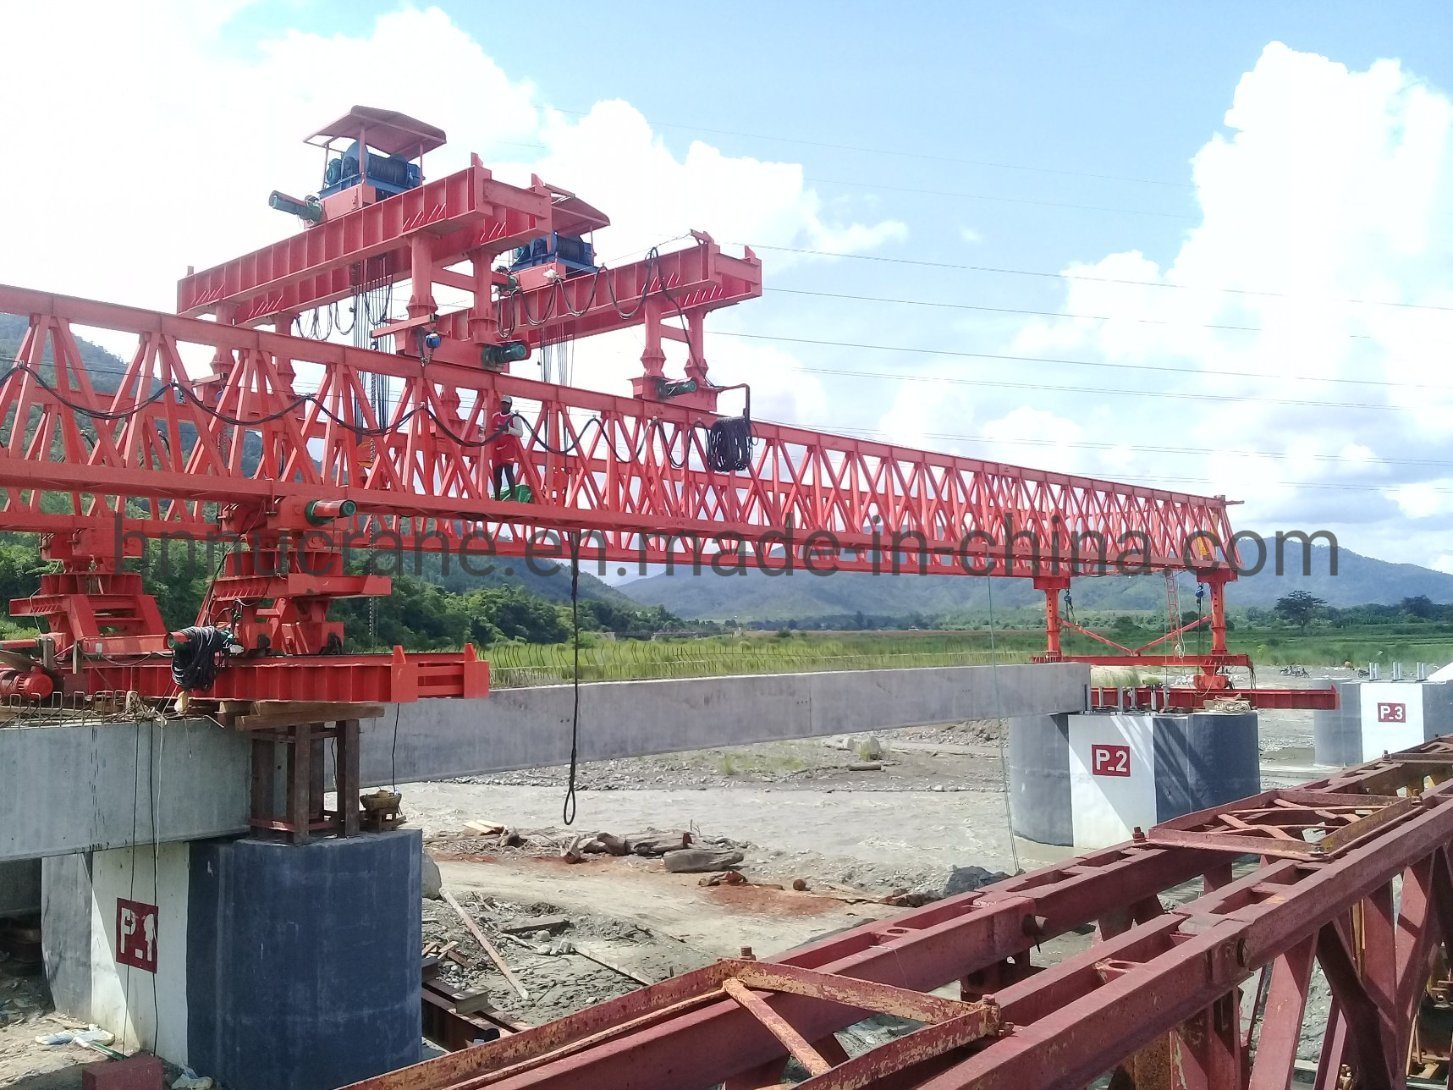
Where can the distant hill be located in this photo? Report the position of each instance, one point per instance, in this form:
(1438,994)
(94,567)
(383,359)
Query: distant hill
(757,596)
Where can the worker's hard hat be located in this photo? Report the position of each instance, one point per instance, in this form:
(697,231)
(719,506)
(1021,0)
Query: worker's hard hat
(507,400)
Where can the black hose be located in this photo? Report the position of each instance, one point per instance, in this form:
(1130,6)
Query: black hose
(729,445)
(195,656)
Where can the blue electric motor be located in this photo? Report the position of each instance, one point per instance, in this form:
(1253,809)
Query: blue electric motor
(574,253)
(386,173)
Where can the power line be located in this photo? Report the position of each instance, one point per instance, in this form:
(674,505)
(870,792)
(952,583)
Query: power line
(1001,270)
(898,153)
(1168,479)
(1225,327)
(1159,368)
(999,200)
(1148,448)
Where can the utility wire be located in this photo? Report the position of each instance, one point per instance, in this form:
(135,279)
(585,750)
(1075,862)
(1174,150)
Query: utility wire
(1147,448)
(1043,387)
(1001,200)
(1226,327)
(1176,480)
(1001,270)
(1059,361)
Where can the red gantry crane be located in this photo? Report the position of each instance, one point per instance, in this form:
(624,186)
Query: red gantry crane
(294,451)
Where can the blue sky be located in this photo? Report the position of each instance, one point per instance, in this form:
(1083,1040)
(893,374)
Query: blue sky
(1121,145)
(1129,90)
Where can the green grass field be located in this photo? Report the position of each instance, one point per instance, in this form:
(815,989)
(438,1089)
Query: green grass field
(516,664)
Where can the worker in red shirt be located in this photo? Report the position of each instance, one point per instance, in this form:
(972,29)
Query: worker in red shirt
(505,432)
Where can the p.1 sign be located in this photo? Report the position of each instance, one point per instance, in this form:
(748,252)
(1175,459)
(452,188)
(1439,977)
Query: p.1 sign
(136,934)
(1109,760)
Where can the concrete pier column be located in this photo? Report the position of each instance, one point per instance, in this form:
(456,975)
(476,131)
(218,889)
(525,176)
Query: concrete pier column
(1377,717)
(1039,778)
(259,963)
(1337,734)
(1089,780)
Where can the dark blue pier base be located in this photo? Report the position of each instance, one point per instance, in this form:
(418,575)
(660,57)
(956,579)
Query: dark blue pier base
(303,960)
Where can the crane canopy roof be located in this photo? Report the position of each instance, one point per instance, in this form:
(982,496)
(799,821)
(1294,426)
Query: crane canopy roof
(387,131)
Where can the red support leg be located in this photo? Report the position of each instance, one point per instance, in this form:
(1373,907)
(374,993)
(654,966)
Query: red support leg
(1053,623)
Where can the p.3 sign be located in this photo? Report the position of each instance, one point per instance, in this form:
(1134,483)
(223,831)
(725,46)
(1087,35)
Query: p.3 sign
(1109,760)
(1390,711)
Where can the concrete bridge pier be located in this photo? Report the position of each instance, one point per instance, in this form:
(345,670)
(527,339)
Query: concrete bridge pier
(1089,780)
(1377,717)
(260,963)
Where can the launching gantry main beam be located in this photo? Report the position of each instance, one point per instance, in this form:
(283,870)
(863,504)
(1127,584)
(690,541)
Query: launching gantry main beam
(281,444)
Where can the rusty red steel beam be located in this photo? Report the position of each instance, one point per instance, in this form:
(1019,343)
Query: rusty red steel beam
(921,949)
(1161,995)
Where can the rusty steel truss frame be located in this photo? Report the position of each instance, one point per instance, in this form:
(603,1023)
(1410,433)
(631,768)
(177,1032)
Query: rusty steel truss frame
(1197,978)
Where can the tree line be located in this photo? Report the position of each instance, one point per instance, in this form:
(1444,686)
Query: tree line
(418,615)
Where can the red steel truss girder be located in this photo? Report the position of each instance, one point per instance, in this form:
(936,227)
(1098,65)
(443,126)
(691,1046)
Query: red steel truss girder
(633,482)
(467,211)
(1160,996)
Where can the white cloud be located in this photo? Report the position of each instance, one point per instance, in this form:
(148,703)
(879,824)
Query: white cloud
(1424,499)
(168,133)
(1329,188)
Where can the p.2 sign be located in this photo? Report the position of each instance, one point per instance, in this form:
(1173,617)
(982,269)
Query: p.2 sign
(1389,711)
(136,934)
(1109,760)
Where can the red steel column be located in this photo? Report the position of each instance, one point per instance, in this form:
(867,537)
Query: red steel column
(1052,587)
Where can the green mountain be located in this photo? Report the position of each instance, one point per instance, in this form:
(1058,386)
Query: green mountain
(757,596)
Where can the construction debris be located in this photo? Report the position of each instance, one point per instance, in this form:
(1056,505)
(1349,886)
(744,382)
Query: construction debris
(700,860)
(725,878)
(489,947)
(536,923)
(652,842)
(595,956)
